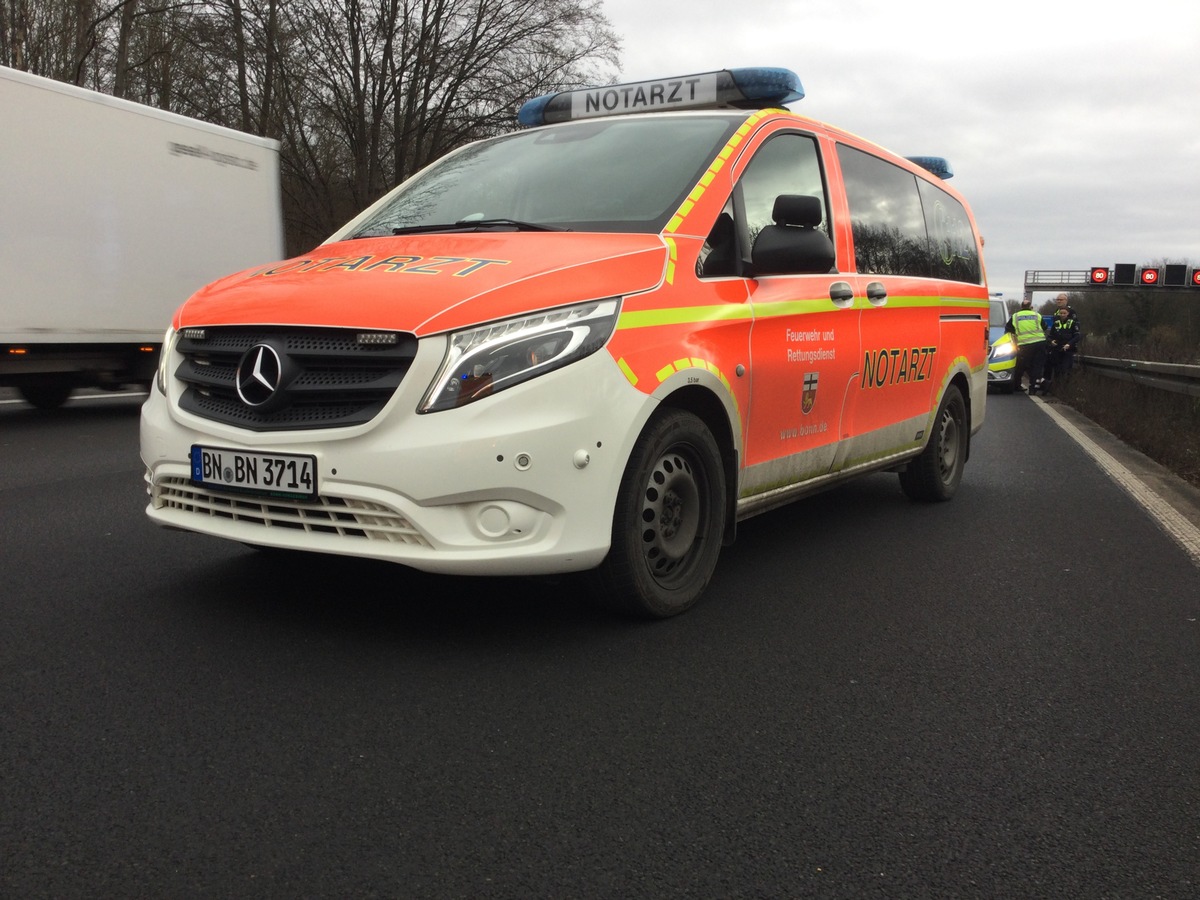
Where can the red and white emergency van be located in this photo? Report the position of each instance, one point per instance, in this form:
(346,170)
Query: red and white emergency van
(595,343)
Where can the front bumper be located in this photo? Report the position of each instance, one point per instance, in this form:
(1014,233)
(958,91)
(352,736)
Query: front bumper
(523,482)
(1000,371)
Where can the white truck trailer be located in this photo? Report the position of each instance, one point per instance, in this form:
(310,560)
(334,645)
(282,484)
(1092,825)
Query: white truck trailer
(112,214)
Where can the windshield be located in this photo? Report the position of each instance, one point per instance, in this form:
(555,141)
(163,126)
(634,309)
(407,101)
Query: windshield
(998,314)
(628,175)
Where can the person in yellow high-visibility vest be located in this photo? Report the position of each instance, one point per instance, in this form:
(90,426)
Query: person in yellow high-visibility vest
(1027,330)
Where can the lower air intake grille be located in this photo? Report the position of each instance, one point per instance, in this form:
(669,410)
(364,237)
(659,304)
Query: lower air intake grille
(353,519)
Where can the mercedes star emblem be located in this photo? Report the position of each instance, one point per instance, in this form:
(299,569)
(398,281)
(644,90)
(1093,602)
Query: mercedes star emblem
(258,375)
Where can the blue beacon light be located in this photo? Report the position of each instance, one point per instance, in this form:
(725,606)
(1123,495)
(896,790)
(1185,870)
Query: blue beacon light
(747,88)
(938,165)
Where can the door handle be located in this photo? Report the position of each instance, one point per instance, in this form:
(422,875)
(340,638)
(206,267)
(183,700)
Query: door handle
(841,292)
(876,292)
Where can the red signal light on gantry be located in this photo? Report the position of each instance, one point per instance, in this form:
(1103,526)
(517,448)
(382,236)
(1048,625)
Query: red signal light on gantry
(1150,276)
(1099,275)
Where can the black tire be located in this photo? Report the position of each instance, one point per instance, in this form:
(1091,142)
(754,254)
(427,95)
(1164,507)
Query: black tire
(935,474)
(668,521)
(46,394)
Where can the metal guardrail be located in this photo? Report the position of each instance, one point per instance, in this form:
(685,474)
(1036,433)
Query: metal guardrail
(1162,376)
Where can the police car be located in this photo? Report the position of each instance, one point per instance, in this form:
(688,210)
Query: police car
(1002,351)
(593,344)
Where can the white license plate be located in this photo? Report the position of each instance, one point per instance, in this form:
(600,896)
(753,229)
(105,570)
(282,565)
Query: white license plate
(273,474)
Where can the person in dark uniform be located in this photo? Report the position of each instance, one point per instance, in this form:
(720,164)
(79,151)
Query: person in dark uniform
(1062,340)
(1062,301)
(1025,326)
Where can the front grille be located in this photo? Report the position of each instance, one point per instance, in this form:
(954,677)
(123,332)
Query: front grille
(327,378)
(325,515)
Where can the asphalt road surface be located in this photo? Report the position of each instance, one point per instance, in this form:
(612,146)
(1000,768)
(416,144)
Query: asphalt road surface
(995,697)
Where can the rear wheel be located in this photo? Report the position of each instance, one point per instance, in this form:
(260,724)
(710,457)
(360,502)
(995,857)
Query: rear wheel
(49,394)
(936,473)
(668,521)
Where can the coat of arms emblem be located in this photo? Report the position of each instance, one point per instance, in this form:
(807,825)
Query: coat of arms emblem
(809,397)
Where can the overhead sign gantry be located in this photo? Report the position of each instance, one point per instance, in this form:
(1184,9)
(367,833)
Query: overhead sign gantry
(1120,277)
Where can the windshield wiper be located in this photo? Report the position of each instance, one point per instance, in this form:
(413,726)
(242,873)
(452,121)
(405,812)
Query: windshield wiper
(420,229)
(511,223)
(477,225)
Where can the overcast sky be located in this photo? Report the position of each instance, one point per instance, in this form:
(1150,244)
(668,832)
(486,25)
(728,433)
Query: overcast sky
(1073,128)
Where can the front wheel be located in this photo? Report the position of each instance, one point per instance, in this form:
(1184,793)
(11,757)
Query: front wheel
(935,474)
(668,520)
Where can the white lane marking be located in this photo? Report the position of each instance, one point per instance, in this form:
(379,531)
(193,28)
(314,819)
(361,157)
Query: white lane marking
(1169,519)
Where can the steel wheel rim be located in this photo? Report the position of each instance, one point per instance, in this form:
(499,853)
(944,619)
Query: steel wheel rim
(948,441)
(671,515)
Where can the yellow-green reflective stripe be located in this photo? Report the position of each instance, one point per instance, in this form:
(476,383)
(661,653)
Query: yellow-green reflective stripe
(681,365)
(686,315)
(633,379)
(706,179)
(794,308)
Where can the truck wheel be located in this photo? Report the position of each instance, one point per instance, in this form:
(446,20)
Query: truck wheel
(935,474)
(46,394)
(668,521)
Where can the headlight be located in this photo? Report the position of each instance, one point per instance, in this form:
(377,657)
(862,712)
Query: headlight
(164,359)
(1004,348)
(486,360)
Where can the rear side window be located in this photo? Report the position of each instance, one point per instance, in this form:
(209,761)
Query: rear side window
(955,255)
(903,225)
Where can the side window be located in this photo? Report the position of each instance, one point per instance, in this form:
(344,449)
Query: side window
(955,254)
(885,216)
(784,164)
(904,225)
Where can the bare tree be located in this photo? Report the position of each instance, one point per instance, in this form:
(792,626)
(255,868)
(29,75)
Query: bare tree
(390,85)
(46,38)
(121,60)
(361,93)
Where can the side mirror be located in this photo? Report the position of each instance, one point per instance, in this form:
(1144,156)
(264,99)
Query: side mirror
(793,245)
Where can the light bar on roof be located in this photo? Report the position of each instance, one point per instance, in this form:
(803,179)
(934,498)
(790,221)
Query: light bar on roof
(935,164)
(756,88)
